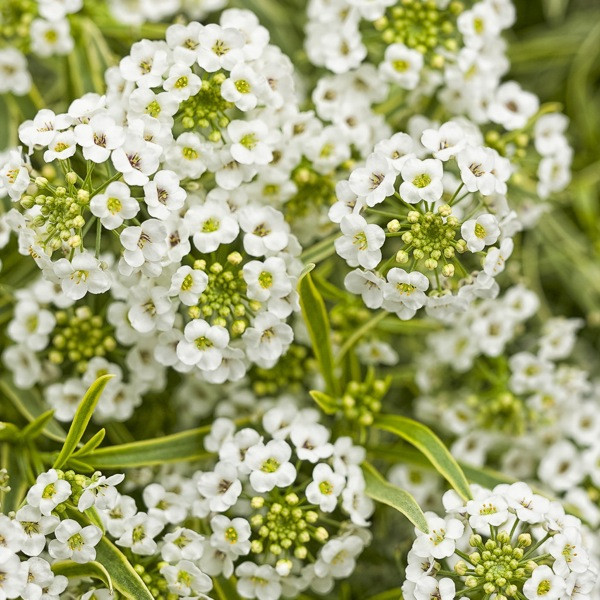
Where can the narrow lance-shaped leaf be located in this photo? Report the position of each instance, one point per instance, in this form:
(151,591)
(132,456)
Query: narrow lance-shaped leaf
(81,419)
(124,577)
(74,570)
(185,446)
(382,491)
(92,443)
(317,324)
(31,406)
(326,402)
(430,445)
(35,428)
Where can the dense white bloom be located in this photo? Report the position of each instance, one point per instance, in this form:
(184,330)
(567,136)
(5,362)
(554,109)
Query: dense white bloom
(270,466)
(114,205)
(361,242)
(74,541)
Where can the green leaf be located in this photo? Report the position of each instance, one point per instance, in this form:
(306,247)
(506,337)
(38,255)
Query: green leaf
(430,445)
(382,491)
(35,428)
(185,446)
(81,419)
(326,402)
(8,432)
(124,577)
(225,589)
(92,443)
(31,406)
(317,324)
(74,570)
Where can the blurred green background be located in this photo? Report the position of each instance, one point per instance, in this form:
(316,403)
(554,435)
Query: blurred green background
(555,52)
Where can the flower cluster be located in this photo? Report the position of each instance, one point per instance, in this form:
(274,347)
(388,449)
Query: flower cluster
(505,543)
(449,202)
(215,271)
(284,509)
(50,527)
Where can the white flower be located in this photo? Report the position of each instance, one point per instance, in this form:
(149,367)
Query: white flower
(231,536)
(211,225)
(220,48)
(182,82)
(182,544)
(99,137)
(374,182)
(476,164)
(544,583)
(567,548)
(325,487)
(35,527)
(146,63)
(101,492)
(186,579)
(269,465)
(244,87)
(189,155)
(422,180)
(42,129)
(265,230)
(143,102)
(169,507)
(261,582)
(81,275)
(184,41)
(445,142)
(14,175)
(428,587)
(495,259)
(203,345)
(487,509)
(402,66)
(268,279)
(13,574)
(50,37)
(114,205)
(338,557)
(368,284)
(144,243)
(249,142)
(221,486)
(61,147)
(361,242)
(528,507)
(74,541)
(41,581)
(136,159)
(15,77)
(31,325)
(311,442)
(267,339)
(397,149)
(440,541)
(139,532)
(188,284)
(163,195)
(117,517)
(479,25)
(512,107)
(404,293)
(59,9)
(480,232)
(48,492)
